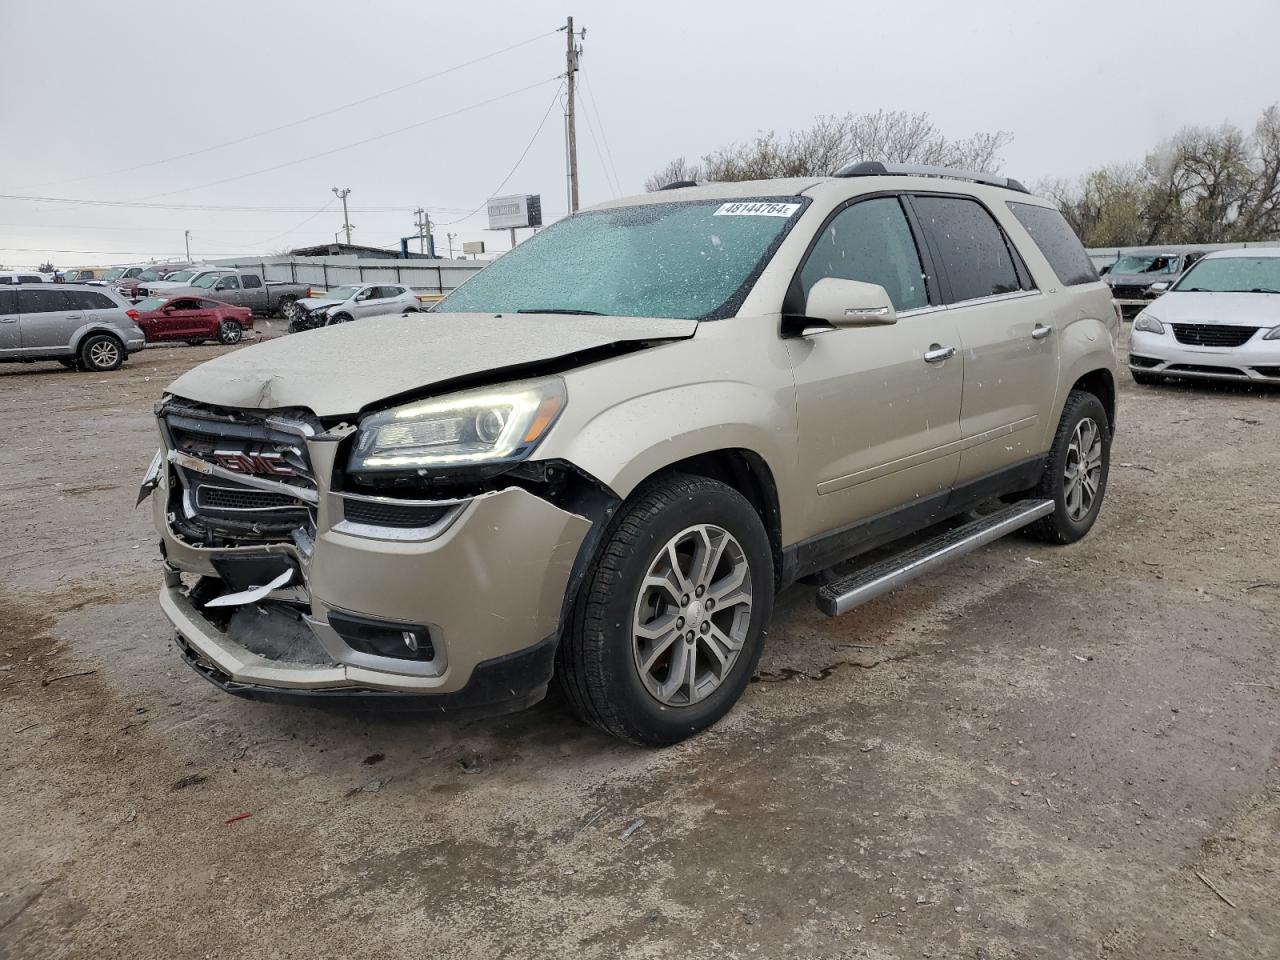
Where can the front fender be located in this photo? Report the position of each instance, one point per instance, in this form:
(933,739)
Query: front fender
(1087,345)
(628,442)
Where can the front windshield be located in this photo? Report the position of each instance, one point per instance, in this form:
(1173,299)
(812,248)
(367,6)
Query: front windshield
(146,275)
(151,303)
(115,273)
(690,260)
(1232,275)
(340,293)
(208,280)
(182,276)
(1141,263)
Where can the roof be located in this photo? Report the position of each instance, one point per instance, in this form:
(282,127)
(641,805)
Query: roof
(353,250)
(1249,252)
(818,186)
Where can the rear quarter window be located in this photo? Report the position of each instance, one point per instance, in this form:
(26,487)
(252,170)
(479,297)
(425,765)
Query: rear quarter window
(251,282)
(1057,241)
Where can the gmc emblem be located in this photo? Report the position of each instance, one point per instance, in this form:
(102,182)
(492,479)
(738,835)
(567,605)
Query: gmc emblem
(255,464)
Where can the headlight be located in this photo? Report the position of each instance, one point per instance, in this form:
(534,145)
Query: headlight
(494,425)
(1147,323)
(1273,335)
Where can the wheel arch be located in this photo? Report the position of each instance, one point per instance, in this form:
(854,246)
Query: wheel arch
(89,329)
(1102,384)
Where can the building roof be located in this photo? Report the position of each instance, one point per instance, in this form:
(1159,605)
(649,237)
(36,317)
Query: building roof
(352,250)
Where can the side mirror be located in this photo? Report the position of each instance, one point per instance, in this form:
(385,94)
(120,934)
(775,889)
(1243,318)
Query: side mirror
(1160,286)
(849,303)
(167,308)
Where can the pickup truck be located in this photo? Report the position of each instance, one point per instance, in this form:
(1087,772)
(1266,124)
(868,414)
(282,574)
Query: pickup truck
(244,290)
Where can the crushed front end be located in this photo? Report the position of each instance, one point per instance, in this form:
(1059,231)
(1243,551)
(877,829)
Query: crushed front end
(286,577)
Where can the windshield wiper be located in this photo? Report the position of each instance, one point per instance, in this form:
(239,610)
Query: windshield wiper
(581,313)
(1263,290)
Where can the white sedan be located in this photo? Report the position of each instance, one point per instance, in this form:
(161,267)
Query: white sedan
(1219,321)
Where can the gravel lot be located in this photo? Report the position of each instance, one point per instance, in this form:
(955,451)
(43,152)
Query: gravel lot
(1059,753)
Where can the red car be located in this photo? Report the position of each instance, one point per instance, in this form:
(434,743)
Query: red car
(193,320)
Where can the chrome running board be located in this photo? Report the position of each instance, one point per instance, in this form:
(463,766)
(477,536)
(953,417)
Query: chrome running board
(892,572)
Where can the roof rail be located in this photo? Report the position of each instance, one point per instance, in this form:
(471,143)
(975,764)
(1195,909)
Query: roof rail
(678,184)
(874,168)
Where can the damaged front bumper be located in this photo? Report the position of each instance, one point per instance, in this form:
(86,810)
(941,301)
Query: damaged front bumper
(476,595)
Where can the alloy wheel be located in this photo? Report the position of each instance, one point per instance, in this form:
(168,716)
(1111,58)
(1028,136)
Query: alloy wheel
(692,615)
(104,353)
(1082,474)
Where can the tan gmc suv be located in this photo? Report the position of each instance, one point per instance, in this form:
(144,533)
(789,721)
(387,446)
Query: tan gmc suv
(601,457)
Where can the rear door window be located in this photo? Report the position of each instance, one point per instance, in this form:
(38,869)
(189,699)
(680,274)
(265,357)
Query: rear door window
(870,241)
(252,282)
(1057,241)
(8,301)
(975,256)
(229,283)
(43,301)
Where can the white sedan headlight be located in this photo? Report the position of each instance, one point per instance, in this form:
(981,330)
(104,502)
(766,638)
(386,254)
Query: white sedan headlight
(500,424)
(1273,335)
(1147,323)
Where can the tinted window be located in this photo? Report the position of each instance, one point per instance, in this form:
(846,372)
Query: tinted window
(30,278)
(228,283)
(43,301)
(252,282)
(84,300)
(100,301)
(870,241)
(8,301)
(972,247)
(1059,244)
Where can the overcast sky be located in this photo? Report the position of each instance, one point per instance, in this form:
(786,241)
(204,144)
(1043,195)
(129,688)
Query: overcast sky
(91,89)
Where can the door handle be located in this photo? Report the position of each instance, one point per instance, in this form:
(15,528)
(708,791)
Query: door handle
(75,316)
(1041,331)
(937,353)
(8,319)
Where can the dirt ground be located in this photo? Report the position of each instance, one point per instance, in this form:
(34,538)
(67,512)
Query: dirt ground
(1043,752)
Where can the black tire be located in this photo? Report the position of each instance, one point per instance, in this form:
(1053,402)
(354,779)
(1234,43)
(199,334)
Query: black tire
(101,352)
(339,318)
(229,332)
(1146,379)
(1060,526)
(596,668)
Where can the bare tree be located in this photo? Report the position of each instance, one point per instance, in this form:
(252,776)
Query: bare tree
(678,169)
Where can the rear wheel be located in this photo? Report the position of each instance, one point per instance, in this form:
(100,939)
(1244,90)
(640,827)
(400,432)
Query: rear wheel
(287,308)
(1075,476)
(669,626)
(229,332)
(101,352)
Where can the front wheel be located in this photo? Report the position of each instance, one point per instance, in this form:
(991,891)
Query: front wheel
(1075,475)
(229,332)
(669,626)
(339,318)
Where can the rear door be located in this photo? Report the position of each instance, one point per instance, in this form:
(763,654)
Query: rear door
(49,319)
(878,406)
(10,333)
(253,293)
(1006,332)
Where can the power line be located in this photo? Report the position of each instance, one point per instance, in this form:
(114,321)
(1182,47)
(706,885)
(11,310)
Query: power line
(357,143)
(221,208)
(528,146)
(604,167)
(299,122)
(603,135)
(324,209)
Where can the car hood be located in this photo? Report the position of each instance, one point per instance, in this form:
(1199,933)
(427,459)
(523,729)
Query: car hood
(345,368)
(311,303)
(1243,309)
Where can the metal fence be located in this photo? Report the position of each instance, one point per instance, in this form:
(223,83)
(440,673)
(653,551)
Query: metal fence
(424,276)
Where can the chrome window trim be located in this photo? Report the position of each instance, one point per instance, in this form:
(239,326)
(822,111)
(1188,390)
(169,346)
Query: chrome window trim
(994,298)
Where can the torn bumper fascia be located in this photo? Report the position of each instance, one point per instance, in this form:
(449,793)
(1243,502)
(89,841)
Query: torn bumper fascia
(488,584)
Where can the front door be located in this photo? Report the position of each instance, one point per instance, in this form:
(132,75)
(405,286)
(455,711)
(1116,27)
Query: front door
(1007,333)
(878,406)
(227,290)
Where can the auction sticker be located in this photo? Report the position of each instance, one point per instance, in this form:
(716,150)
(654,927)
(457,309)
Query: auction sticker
(756,208)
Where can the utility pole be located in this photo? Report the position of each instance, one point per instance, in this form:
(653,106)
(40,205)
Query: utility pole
(186,236)
(346,221)
(572,52)
(450,236)
(422,220)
